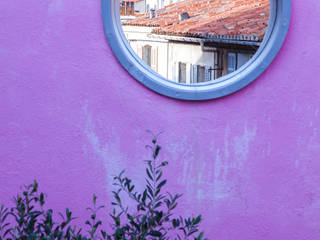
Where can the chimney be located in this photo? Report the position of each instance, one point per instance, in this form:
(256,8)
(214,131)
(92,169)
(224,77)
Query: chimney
(183,16)
(152,13)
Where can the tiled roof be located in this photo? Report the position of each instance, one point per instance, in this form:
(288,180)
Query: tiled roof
(133,1)
(245,19)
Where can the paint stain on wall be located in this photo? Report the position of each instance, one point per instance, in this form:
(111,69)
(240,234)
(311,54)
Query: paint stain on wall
(108,152)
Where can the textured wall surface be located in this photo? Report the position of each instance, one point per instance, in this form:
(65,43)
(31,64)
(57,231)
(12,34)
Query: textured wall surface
(71,117)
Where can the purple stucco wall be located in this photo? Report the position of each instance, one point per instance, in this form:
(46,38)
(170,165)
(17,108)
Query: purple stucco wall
(71,117)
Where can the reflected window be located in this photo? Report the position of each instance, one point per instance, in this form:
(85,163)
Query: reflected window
(201,74)
(146,54)
(132,7)
(232,62)
(236,60)
(182,72)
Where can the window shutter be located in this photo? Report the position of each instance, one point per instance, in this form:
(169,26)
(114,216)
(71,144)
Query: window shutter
(139,52)
(194,73)
(232,62)
(201,74)
(146,54)
(154,59)
(212,73)
(175,72)
(182,72)
(188,73)
(207,74)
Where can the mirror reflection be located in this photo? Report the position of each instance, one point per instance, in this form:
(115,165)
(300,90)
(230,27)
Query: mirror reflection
(194,41)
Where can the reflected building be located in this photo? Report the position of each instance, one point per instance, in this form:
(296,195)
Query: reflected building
(195,41)
(133,7)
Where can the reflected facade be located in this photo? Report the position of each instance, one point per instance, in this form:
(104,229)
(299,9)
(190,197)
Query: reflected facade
(194,41)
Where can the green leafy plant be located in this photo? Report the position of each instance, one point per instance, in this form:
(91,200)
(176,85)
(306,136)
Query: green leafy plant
(31,221)
(4,225)
(151,218)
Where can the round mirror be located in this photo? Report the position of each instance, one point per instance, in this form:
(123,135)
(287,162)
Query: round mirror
(196,49)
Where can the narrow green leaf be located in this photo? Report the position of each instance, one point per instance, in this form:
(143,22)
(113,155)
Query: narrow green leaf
(156,152)
(149,174)
(161,184)
(155,233)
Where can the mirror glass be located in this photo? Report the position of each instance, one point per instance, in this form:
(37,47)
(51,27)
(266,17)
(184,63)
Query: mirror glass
(194,41)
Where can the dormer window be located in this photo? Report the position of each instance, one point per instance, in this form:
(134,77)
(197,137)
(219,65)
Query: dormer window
(183,16)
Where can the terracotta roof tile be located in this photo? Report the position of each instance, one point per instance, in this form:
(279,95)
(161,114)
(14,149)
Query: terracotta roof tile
(133,1)
(210,18)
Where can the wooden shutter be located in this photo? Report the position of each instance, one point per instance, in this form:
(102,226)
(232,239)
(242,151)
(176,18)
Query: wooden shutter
(175,72)
(207,74)
(188,73)
(194,73)
(154,59)
(139,51)
(182,72)
(201,74)
(212,73)
(232,62)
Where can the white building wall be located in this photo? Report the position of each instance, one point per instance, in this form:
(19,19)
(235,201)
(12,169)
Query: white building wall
(192,55)
(167,2)
(161,50)
(153,4)
(170,54)
(157,4)
(139,37)
(140,6)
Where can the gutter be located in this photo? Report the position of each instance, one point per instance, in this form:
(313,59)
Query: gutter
(238,40)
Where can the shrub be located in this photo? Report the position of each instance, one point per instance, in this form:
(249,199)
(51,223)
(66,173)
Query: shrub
(152,217)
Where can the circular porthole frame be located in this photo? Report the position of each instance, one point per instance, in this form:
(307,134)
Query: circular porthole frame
(280,14)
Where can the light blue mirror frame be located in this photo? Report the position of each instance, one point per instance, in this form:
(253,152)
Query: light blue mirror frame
(280,13)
